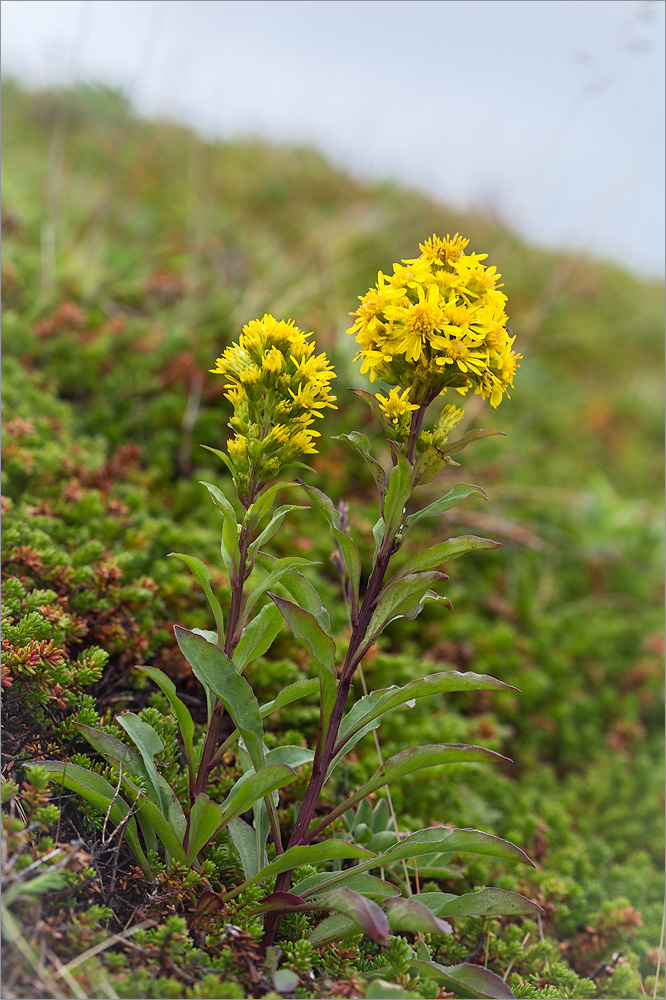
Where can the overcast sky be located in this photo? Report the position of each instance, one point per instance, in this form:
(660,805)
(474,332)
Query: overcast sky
(547,112)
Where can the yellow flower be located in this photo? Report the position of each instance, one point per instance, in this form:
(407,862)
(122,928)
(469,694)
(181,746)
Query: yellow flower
(277,385)
(437,322)
(394,405)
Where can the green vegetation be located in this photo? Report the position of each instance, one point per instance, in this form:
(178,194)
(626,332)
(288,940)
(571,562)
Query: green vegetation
(133,253)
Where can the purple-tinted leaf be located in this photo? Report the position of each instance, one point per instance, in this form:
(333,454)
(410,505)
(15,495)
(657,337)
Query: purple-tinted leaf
(410,915)
(469,981)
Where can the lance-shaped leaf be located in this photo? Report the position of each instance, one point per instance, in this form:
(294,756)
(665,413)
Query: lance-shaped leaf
(230,551)
(373,403)
(254,786)
(296,585)
(488,903)
(401,598)
(117,753)
(406,763)
(369,885)
(289,694)
(278,569)
(272,527)
(99,793)
(263,504)
(306,627)
(258,636)
(333,928)
(398,493)
(179,709)
(214,669)
(449,500)
(428,466)
(251,853)
(203,575)
(376,704)
(453,447)
(162,825)
(465,980)
(350,553)
(310,854)
(410,915)
(453,841)
(362,445)
(438,554)
(205,820)
(364,912)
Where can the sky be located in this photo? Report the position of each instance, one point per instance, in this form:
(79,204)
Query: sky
(546,113)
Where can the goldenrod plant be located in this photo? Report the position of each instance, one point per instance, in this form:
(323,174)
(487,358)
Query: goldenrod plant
(437,324)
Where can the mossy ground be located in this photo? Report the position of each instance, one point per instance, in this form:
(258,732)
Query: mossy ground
(132,253)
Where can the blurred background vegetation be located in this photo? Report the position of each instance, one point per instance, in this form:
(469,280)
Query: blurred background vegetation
(133,252)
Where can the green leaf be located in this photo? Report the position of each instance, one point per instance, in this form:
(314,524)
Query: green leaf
(149,744)
(48,881)
(378,532)
(272,527)
(205,821)
(401,598)
(397,494)
(161,824)
(203,575)
(245,842)
(376,704)
(289,694)
(368,885)
(449,500)
(458,841)
(310,854)
(350,553)
(441,553)
(257,637)
(179,709)
(97,790)
(406,763)
(216,670)
(410,915)
(333,928)
(230,551)
(252,787)
(296,585)
(489,903)
(465,980)
(381,989)
(292,756)
(220,454)
(306,627)
(362,445)
(452,448)
(263,504)
(117,753)
(428,466)
(279,568)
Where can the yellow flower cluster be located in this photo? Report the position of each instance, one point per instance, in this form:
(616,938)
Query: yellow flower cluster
(277,386)
(438,322)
